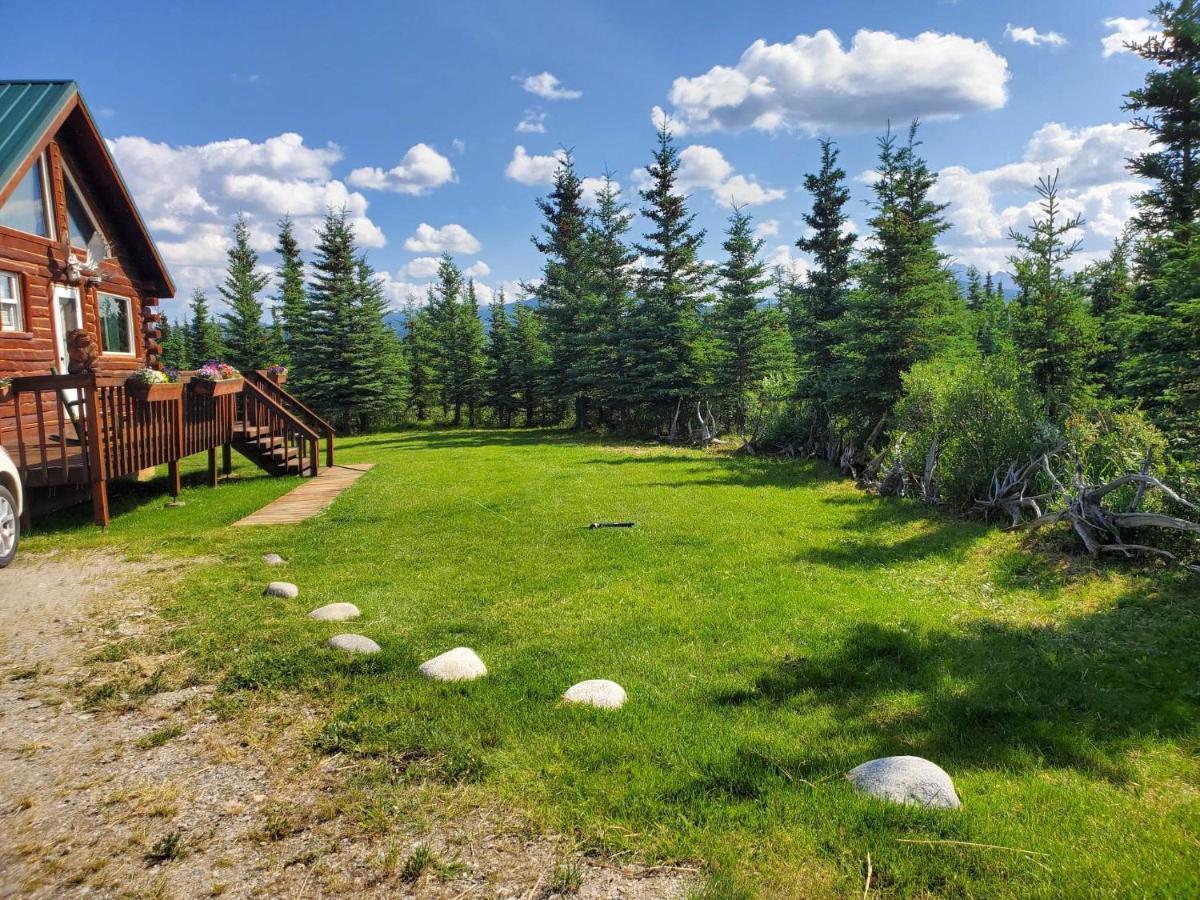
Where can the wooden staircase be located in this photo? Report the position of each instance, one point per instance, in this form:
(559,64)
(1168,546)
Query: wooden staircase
(277,432)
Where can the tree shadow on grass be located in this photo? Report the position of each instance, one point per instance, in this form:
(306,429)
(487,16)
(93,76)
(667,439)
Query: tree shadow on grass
(881,532)
(448,439)
(1082,695)
(126,496)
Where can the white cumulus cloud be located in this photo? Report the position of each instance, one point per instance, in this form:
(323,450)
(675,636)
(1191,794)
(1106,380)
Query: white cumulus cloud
(190,194)
(1125,31)
(767,228)
(531,170)
(447,239)
(478,269)
(706,168)
(420,171)
(815,84)
(1024,34)
(548,87)
(422,267)
(1093,183)
(533,122)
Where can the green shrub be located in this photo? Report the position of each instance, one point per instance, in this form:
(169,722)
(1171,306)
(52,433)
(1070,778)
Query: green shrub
(984,412)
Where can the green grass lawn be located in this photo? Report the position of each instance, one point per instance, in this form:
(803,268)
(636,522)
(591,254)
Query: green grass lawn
(773,626)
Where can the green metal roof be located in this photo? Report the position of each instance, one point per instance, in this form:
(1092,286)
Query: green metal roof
(27,110)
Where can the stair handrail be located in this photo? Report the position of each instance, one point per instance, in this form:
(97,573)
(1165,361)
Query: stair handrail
(261,380)
(256,393)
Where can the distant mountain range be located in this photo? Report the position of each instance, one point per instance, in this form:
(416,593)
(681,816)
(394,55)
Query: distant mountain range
(397,320)
(400,324)
(1005,279)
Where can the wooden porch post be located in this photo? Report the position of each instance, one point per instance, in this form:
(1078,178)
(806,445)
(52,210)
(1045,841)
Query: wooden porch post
(226,458)
(96,472)
(212,466)
(173,464)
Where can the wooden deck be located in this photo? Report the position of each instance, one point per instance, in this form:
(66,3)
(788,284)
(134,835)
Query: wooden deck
(309,499)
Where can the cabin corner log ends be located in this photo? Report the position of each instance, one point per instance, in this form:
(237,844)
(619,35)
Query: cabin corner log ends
(85,430)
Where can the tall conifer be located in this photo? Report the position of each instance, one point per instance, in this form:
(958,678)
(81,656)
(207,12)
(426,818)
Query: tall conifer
(247,340)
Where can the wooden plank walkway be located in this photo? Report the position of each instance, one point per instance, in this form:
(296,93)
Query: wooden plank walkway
(309,499)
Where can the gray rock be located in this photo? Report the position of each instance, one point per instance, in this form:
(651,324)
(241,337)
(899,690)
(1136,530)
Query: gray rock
(283,589)
(273,559)
(335,612)
(354,643)
(459,664)
(905,779)
(598,692)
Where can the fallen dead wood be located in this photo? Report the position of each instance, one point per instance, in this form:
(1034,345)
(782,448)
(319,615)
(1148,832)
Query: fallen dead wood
(1099,528)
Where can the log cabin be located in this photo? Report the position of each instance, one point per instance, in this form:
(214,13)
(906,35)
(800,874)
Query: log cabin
(80,284)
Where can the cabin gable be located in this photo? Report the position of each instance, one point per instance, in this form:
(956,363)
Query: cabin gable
(59,187)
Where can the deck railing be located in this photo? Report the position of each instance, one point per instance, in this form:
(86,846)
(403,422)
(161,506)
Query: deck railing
(280,436)
(306,415)
(49,436)
(87,429)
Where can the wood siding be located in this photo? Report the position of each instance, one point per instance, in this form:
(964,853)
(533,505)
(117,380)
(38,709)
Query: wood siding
(40,264)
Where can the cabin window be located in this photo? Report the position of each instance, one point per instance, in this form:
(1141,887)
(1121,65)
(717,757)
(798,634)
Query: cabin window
(12,316)
(79,217)
(116,324)
(25,209)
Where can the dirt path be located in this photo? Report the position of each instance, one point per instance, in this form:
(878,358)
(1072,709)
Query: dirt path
(117,778)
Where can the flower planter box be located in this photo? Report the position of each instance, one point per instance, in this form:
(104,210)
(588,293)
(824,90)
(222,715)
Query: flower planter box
(277,377)
(154,393)
(207,388)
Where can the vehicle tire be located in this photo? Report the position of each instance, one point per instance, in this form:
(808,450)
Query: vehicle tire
(10,526)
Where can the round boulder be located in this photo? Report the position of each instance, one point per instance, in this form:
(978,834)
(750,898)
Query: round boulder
(284,589)
(459,664)
(598,692)
(335,612)
(905,779)
(273,559)
(354,643)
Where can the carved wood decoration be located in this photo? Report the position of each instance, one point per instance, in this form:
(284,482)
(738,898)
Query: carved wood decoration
(83,352)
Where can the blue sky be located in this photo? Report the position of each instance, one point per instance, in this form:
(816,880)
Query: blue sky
(409,113)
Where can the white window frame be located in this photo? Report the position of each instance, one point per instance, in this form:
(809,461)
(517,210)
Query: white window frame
(86,208)
(43,164)
(100,295)
(18,301)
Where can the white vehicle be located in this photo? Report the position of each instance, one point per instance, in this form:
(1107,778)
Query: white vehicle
(10,509)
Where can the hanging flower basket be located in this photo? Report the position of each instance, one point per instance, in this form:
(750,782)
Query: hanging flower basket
(152,386)
(214,379)
(5,389)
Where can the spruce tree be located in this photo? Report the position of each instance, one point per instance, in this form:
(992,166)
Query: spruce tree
(906,307)
(291,301)
(975,294)
(739,328)
(531,360)
(564,301)
(664,330)
(1109,287)
(501,393)
(1159,336)
(444,300)
(470,362)
(418,352)
(611,268)
(204,334)
(1055,335)
(327,381)
(247,340)
(373,357)
(173,340)
(817,306)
